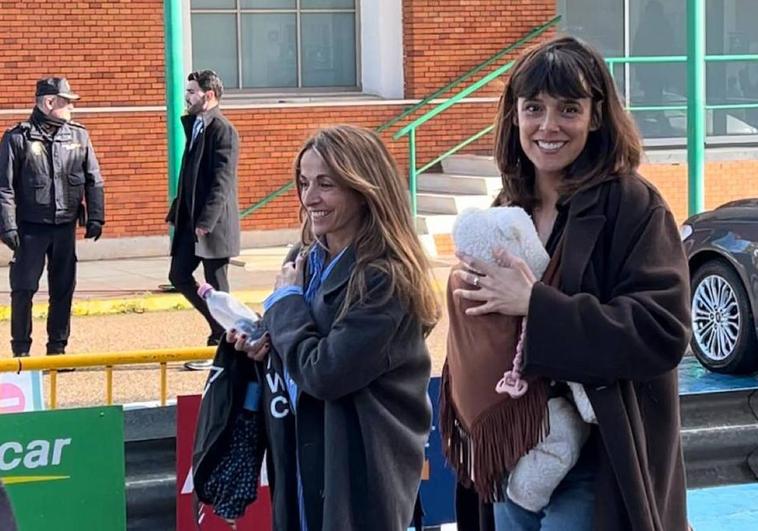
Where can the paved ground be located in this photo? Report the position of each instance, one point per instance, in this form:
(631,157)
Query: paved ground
(133,331)
(119,306)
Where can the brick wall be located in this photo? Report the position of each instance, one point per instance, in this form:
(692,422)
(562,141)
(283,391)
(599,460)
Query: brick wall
(444,39)
(115,58)
(112,51)
(724,181)
(131,149)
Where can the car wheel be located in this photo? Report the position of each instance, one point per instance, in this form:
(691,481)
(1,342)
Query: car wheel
(723,335)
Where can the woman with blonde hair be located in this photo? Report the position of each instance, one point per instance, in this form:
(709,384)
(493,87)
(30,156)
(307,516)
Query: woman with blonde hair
(348,318)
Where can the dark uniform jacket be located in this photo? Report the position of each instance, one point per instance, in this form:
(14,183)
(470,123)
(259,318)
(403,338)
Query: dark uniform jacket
(362,410)
(208,186)
(44,180)
(620,324)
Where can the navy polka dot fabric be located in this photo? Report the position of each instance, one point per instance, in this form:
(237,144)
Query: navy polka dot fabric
(233,484)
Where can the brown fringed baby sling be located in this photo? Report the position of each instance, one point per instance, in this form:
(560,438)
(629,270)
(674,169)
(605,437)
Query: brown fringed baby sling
(485,433)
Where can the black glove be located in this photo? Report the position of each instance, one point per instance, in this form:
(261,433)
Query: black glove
(10,238)
(94,230)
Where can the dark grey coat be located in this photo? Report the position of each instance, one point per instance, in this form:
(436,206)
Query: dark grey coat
(209,173)
(620,325)
(362,411)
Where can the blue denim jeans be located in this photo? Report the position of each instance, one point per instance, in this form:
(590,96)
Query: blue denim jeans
(571,507)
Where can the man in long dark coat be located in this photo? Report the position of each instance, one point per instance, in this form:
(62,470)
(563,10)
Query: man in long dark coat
(205,212)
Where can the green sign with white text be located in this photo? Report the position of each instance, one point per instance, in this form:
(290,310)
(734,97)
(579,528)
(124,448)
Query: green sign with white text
(64,469)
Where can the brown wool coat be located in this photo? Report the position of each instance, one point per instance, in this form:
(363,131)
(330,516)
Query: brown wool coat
(620,325)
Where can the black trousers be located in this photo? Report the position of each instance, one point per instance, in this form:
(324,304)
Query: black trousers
(183,265)
(472,514)
(55,244)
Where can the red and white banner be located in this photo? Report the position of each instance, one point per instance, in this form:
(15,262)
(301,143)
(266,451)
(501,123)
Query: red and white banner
(20,393)
(258,514)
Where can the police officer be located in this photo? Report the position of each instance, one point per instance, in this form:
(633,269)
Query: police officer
(49,179)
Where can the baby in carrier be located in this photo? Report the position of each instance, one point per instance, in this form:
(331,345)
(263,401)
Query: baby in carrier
(480,233)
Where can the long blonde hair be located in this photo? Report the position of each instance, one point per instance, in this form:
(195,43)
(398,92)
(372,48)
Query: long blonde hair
(386,240)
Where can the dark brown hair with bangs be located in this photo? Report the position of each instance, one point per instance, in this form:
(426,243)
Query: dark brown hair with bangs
(565,67)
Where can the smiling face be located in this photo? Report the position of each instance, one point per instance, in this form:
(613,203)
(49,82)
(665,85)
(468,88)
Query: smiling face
(335,211)
(553,131)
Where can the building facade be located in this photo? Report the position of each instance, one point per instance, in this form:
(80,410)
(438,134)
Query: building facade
(290,66)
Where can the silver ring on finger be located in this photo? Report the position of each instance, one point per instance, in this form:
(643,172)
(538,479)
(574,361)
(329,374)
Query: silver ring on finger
(476,281)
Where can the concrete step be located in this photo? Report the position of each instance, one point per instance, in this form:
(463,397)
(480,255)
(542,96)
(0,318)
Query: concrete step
(268,258)
(459,184)
(431,223)
(428,244)
(470,165)
(450,204)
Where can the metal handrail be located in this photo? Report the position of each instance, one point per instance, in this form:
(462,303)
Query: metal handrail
(535,32)
(421,120)
(410,129)
(107,360)
(643,59)
(455,149)
(666,59)
(270,197)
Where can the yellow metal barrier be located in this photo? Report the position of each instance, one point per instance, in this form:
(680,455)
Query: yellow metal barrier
(108,360)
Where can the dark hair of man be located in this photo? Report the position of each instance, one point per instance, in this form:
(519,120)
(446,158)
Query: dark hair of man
(208,80)
(566,68)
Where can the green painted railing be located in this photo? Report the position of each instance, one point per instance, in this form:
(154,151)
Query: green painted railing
(266,200)
(531,35)
(666,59)
(696,105)
(539,30)
(410,129)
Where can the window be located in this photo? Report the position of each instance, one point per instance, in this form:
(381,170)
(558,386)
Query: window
(731,29)
(658,27)
(277,45)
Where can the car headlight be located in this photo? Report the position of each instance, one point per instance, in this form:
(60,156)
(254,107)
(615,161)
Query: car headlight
(685,231)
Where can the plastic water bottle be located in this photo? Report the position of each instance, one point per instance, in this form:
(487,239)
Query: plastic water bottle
(230,313)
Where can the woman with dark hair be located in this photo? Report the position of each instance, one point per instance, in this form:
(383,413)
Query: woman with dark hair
(613,314)
(348,317)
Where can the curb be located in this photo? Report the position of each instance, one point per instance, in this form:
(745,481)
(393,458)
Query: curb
(146,303)
(155,303)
